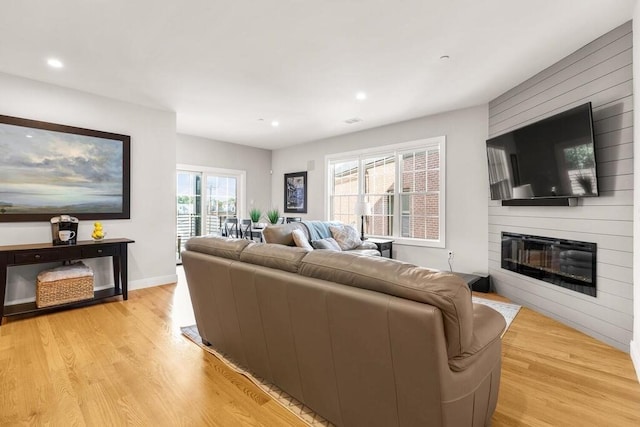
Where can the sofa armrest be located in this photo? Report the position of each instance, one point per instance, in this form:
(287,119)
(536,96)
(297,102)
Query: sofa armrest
(488,326)
(367,245)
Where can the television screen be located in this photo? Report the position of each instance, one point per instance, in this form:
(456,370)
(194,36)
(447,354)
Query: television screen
(554,157)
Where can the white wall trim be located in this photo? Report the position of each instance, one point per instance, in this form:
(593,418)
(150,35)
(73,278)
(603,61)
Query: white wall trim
(634,347)
(153,281)
(133,285)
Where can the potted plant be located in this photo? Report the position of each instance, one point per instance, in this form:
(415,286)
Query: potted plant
(273,215)
(255,214)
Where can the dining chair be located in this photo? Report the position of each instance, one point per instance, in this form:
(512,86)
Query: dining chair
(230,227)
(245,229)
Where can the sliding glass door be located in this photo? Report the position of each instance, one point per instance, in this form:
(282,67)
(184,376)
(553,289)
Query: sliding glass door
(204,200)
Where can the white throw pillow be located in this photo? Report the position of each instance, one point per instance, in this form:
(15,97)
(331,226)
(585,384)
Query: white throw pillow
(347,237)
(301,240)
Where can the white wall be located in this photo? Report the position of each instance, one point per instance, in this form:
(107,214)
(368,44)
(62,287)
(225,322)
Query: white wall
(635,343)
(153,159)
(467,182)
(192,150)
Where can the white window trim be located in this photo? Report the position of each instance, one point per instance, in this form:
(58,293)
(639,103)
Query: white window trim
(236,173)
(398,149)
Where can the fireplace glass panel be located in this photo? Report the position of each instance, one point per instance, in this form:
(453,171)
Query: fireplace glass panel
(567,263)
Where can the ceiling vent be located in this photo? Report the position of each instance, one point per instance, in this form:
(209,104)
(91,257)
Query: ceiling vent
(353,120)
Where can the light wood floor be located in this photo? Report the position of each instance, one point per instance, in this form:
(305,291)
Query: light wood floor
(122,363)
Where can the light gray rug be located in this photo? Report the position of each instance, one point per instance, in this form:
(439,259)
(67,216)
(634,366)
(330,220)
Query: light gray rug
(509,311)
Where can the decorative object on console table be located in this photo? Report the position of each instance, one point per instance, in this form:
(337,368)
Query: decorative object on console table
(384,245)
(363,209)
(46,252)
(104,193)
(64,230)
(295,192)
(98,233)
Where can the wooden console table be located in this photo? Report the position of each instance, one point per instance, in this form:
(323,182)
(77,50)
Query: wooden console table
(46,252)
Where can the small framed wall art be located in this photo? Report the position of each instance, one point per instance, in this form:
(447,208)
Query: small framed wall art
(295,192)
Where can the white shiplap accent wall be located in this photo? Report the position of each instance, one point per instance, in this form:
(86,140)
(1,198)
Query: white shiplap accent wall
(601,73)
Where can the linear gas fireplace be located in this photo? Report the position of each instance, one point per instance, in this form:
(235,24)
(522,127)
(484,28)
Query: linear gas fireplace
(567,263)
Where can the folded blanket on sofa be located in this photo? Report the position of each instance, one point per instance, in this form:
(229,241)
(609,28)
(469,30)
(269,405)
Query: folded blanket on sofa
(319,229)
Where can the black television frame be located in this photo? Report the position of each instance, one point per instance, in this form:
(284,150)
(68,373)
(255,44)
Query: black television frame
(561,200)
(45,213)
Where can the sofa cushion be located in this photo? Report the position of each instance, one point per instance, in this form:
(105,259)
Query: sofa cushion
(281,234)
(274,256)
(300,239)
(218,246)
(446,291)
(346,236)
(328,243)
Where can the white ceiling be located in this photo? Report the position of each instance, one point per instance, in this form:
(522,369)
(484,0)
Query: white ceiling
(223,65)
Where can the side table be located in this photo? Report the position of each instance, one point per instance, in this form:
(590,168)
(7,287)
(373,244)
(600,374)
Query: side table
(384,245)
(476,282)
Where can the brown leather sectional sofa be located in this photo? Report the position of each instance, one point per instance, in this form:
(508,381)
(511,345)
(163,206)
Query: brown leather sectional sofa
(363,341)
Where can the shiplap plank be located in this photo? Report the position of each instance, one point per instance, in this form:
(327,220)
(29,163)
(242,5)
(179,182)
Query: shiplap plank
(615,107)
(604,285)
(570,78)
(611,334)
(616,137)
(603,42)
(621,243)
(616,183)
(610,198)
(618,213)
(562,97)
(616,167)
(608,96)
(591,314)
(614,228)
(613,123)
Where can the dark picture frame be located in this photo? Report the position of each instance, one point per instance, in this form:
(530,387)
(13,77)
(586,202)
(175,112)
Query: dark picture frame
(295,192)
(48,169)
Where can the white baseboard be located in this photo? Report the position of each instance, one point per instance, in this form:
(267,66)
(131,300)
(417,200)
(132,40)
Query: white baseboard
(152,281)
(635,356)
(133,285)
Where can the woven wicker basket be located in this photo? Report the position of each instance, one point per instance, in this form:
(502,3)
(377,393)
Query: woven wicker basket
(55,292)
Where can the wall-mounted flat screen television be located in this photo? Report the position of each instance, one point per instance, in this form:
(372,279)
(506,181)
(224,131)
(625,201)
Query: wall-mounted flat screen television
(552,158)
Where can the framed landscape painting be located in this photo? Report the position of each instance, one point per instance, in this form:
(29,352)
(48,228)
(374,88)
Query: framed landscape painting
(47,169)
(295,192)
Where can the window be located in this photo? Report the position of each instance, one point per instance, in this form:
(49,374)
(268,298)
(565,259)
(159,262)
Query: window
(403,184)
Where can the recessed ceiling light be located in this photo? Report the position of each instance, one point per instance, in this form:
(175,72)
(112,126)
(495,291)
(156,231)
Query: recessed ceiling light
(29,136)
(55,63)
(361,96)
(275,123)
(444,57)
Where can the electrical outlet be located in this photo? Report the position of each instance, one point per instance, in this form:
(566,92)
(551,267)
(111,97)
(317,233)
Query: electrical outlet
(450,254)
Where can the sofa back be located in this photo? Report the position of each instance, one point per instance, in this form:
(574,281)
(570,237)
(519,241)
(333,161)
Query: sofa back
(443,290)
(446,291)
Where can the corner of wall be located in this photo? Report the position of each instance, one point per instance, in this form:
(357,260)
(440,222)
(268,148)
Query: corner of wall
(635,357)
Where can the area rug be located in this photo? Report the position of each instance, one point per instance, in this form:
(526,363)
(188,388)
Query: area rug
(292,405)
(508,311)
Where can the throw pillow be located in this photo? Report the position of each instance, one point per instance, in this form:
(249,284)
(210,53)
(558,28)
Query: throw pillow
(328,243)
(301,240)
(346,236)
